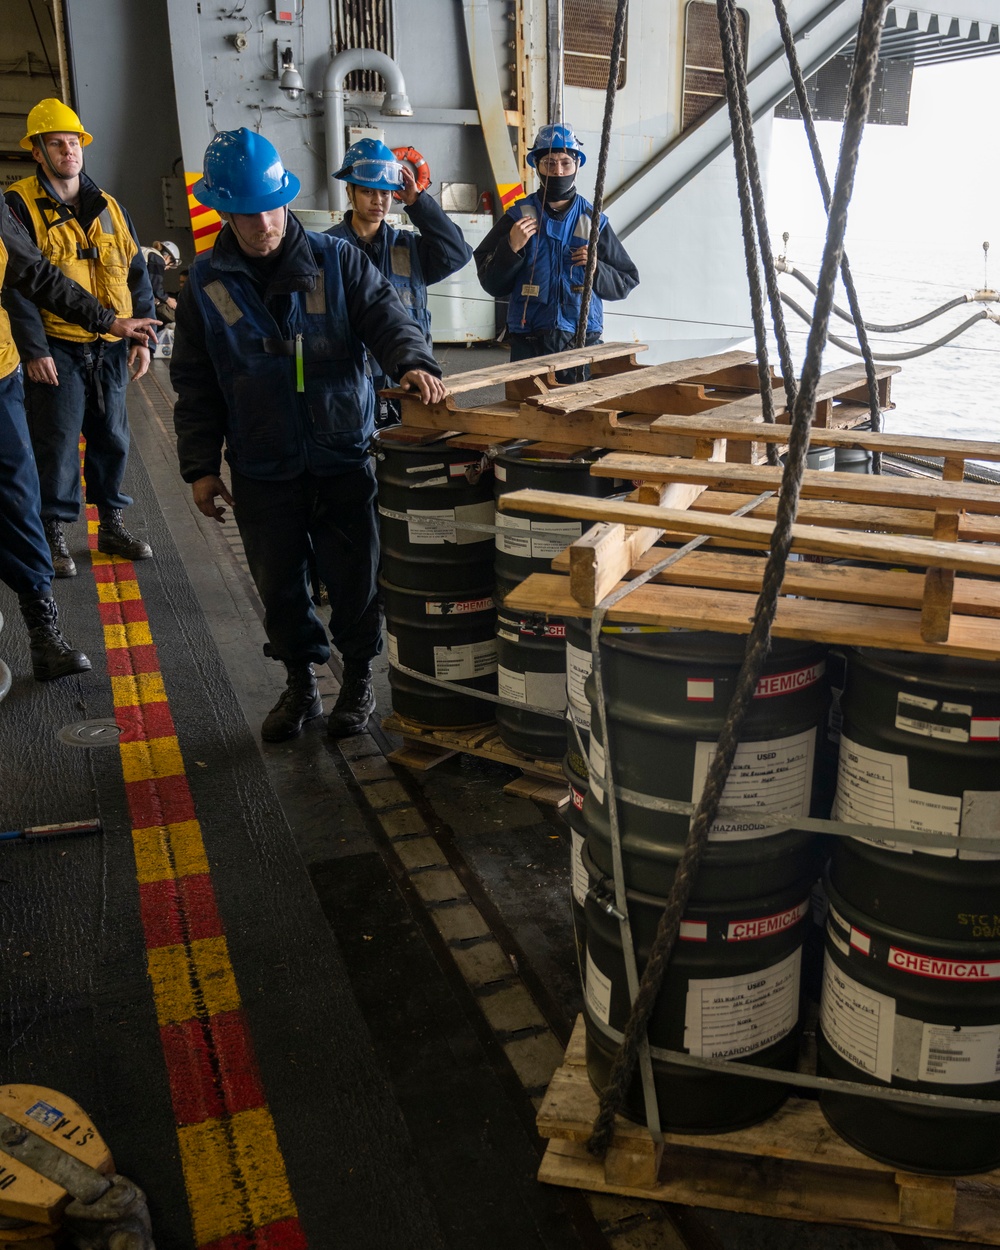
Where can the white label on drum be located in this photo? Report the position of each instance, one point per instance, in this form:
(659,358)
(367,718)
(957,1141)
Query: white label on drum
(774,775)
(598,991)
(510,685)
(424,468)
(548,538)
(873,789)
(392,646)
(474,659)
(578,666)
(437,526)
(500,472)
(726,1017)
(596,768)
(513,535)
(545,690)
(957,1055)
(578,874)
(858,1023)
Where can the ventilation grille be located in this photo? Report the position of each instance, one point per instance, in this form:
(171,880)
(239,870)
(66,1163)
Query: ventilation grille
(365,24)
(704,76)
(589,33)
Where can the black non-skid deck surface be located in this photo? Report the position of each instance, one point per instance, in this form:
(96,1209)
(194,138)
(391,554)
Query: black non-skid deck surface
(395,1128)
(77,1009)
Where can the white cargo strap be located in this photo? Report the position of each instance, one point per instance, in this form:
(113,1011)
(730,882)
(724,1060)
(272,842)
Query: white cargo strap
(802,1080)
(473,693)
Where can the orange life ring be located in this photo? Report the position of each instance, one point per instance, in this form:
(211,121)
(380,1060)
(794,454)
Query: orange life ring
(422,171)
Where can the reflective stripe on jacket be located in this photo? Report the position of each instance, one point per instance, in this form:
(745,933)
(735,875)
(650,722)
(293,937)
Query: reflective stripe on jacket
(98,258)
(273,430)
(546,295)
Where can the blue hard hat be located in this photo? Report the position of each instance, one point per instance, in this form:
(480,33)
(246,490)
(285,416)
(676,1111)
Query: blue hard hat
(557,138)
(369,163)
(244,174)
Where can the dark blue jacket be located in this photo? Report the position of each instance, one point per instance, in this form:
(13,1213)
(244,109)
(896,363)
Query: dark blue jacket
(544,263)
(240,325)
(412,262)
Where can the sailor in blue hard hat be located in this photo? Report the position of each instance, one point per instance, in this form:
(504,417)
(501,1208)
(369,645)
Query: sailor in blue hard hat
(274,329)
(535,256)
(410,261)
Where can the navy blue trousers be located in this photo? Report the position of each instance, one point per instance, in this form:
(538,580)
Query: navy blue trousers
(90,398)
(287,525)
(25,563)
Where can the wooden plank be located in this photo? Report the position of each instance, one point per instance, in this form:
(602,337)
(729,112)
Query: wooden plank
(420,756)
(605,390)
(730,612)
(837,384)
(972,527)
(725,571)
(585,429)
(496,375)
(599,559)
(939,584)
(547,793)
(808,539)
(859,488)
(719,424)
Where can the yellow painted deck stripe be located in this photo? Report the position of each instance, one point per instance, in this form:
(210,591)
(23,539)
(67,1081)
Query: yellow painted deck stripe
(206,1151)
(155,757)
(176,970)
(163,852)
(137,689)
(134,634)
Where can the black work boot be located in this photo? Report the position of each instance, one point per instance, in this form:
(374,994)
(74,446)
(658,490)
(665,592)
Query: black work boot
(62,562)
(115,540)
(300,701)
(51,654)
(355,703)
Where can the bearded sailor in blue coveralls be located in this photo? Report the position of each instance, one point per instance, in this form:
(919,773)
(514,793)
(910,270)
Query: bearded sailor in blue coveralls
(536,256)
(410,261)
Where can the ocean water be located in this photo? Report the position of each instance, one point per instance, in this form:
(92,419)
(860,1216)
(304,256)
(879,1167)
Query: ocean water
(953,391)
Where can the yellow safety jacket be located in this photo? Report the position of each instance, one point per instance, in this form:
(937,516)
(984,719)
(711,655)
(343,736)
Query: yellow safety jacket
(9,359)
(98,258)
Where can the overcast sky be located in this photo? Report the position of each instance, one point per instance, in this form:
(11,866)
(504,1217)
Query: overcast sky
(936,179)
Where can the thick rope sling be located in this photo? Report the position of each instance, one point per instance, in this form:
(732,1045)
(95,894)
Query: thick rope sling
(758,644)
(805,108)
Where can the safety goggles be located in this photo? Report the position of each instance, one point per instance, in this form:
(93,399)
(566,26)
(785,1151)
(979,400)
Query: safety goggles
(384,175)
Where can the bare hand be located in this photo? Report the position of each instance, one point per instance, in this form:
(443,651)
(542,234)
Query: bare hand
(138,328)
(409,192)
(171,302)
(42,370)
(205,491)
(579,255)
(432,390)
(138,362)
(521,232)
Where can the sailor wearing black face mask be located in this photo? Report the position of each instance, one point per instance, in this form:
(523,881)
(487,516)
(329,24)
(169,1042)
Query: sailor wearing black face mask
(536,254)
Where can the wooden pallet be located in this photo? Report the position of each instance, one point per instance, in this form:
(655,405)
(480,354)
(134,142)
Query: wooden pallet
(793,1166)
(624,402)
(423,748)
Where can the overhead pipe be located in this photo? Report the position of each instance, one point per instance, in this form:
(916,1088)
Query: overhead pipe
(395,104)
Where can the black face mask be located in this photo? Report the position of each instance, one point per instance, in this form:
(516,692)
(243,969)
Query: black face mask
(558,187)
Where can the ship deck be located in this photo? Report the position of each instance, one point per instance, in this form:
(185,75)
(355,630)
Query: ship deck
(309,998)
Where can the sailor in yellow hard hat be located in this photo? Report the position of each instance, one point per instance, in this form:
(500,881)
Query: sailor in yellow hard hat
(76,379)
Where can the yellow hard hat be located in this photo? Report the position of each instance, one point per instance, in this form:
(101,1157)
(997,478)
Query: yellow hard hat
(49,115)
